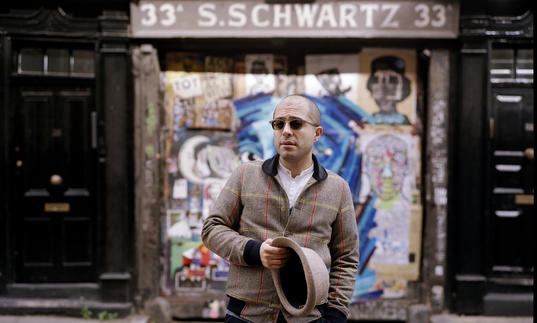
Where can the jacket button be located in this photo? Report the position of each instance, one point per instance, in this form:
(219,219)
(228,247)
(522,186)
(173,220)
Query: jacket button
(283,208)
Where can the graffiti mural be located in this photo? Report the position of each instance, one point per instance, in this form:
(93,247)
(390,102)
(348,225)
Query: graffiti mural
(198,164)
(389,211)
(377,155)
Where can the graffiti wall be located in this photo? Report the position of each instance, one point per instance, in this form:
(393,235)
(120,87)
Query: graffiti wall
(217,113)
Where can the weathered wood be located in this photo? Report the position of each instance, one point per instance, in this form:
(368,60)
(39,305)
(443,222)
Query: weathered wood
(147,165)
(436,178)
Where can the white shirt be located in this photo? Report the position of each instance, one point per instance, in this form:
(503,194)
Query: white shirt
(293,186)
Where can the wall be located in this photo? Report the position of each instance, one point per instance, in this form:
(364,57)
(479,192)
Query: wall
(217,110)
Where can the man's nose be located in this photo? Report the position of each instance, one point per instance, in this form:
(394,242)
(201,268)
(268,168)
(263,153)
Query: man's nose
(287,128)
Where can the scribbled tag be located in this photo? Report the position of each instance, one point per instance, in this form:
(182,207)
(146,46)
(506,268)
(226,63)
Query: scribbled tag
(218,86)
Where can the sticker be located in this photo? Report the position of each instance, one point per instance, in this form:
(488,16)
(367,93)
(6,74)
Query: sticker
(187,86)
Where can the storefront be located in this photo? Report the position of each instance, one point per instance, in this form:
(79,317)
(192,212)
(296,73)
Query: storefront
(207,77)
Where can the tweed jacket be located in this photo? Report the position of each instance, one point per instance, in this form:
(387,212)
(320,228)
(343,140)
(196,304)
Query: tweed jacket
(253,207)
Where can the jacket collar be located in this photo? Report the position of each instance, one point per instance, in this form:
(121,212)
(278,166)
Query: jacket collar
(270,167)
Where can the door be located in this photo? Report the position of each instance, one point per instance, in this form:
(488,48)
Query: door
(54,215)
(512,211)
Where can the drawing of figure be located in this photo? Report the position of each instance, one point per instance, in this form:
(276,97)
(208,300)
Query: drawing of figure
(260,71)
(388,86)
(331,82)
(386,166)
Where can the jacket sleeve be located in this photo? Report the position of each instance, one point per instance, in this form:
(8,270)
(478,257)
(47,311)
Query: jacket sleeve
(344,252)
(220,228)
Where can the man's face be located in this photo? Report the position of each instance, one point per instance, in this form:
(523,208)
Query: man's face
(294,146)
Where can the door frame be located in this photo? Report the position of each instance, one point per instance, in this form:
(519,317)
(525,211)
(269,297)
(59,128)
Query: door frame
(107,32)
(10,83)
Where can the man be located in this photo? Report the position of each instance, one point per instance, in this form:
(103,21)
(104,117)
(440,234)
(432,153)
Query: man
(290,195)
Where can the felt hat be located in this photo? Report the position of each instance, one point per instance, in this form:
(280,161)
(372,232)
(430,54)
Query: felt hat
(303,282)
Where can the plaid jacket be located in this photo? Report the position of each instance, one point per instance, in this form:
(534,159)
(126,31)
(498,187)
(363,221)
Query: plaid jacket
(253,207)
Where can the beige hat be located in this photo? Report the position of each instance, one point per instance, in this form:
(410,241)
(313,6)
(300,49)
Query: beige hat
(303,282)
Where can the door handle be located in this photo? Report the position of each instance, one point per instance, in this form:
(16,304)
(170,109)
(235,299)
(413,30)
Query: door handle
(93,117)
(529,153)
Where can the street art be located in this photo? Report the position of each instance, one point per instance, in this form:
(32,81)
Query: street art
(201,90)
(387,172)
(260,74)
(380,161)
(387,84)
(332,75)
(198,164)
(388,195)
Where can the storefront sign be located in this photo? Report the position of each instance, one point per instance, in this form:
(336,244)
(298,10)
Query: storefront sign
(333,19)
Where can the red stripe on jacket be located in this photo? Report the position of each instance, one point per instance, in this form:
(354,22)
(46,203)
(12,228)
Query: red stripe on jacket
(311,217)
(342,237)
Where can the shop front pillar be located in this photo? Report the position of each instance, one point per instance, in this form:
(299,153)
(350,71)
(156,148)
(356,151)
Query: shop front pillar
(116,158)
(436,178)
(147,130)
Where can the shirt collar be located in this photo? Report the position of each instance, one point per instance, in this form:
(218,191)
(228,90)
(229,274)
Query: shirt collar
(270,167)
(305,172)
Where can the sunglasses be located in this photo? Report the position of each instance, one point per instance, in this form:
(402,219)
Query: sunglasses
(295,124)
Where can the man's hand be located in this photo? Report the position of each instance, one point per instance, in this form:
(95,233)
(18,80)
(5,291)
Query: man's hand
(273,257)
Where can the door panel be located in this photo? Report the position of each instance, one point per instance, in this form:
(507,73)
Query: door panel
(55,214)
(511,244)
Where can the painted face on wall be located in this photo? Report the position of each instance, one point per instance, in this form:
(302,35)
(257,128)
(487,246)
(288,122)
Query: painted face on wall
(386,164)
(387,89)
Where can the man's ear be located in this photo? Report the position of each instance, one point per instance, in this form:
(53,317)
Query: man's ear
(318,132)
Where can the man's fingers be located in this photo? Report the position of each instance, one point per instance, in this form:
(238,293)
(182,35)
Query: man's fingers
(277,250)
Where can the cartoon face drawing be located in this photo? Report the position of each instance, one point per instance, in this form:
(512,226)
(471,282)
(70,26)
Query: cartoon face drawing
(388,86)
(386,165)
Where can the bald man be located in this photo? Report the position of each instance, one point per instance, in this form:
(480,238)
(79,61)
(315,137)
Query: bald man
(290,195)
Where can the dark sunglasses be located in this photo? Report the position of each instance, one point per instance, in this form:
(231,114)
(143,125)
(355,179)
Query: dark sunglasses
(295,124)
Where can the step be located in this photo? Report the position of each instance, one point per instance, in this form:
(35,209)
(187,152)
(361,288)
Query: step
(508,304)
(67,307)
(88,291)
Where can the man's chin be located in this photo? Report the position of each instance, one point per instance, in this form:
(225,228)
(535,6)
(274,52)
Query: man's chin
(287,156)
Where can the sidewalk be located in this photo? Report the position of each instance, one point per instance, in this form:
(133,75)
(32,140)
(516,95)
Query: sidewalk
(443,318)
(62,319)
(450,318)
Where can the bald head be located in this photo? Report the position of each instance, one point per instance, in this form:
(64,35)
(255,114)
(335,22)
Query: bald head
(297,99)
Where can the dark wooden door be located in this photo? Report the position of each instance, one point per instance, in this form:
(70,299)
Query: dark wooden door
(511,213)
(55,212)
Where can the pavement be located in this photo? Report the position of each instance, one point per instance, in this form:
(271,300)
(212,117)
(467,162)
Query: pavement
(450,318)
(443,318)
(60,319)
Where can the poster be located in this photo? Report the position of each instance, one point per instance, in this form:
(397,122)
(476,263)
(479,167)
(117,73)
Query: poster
(260,76)
(200,100)
(388,85)
(333,75)
(390,169)
(198,164)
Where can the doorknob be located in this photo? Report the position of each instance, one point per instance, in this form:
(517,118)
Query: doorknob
(528,153)
(56,179)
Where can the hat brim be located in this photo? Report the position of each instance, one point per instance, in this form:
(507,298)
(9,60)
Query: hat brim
(315,274)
